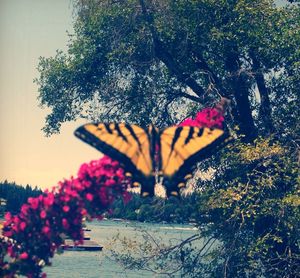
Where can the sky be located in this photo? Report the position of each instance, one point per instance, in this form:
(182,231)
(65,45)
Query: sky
(30,29)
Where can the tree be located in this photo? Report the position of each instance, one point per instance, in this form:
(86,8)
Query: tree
(141,60)
(159,61)
(14,196)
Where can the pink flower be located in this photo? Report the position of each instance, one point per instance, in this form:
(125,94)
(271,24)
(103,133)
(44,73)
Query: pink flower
(120,173)
(110,182)
(49,200)
(46,230)
(34,203)
(115,163)
(43,214)
(23,226)
(83,211)
(8,216)
(24,256)
(65,223)
(15,228)
(15,223)
(189,122)
(16,219)
(66,208)
(80,185)
(7,233)
(65,198)
(24,209)
(89,197)
(210,117)
(10,251)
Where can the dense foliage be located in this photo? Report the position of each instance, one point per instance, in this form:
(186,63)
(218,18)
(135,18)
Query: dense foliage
(252,207)
(158,61)
(14,196)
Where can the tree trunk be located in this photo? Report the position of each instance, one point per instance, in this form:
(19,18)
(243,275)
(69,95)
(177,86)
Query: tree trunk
(238,84)
(265,108)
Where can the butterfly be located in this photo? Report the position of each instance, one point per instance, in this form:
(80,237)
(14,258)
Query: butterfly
(170,153)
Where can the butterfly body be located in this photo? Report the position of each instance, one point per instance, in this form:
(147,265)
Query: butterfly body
(146,153)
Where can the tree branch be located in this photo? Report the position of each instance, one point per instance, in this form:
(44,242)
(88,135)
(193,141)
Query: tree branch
(201,63)
(188,96)
(163,55)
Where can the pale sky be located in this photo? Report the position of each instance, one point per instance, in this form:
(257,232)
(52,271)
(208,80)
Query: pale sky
(30,29)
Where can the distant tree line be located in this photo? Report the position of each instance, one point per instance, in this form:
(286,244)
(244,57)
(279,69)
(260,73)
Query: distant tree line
(13,196)
(157,209)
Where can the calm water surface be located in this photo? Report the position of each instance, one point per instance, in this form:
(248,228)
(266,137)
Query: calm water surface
(98,264)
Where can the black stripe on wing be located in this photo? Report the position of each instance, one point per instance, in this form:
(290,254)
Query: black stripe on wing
(91,138)
(178,180)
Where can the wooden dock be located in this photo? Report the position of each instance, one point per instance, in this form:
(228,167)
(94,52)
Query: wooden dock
(88,245)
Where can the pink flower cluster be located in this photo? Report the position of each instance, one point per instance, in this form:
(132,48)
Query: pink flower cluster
(208,117)
(32,237)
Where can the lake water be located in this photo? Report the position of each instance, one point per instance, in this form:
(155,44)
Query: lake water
(77,264)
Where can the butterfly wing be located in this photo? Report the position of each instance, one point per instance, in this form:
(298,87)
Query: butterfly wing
(129,144)
(181,148)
